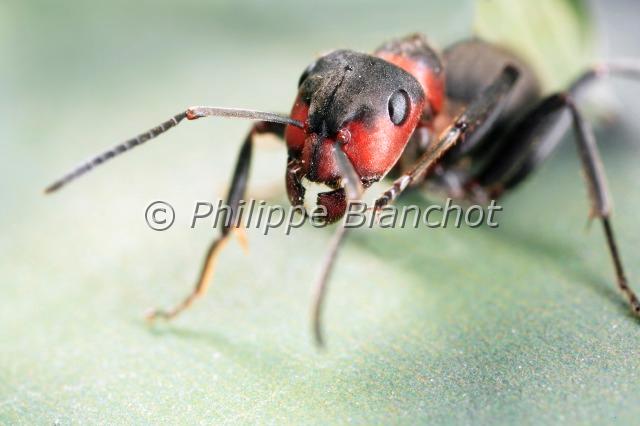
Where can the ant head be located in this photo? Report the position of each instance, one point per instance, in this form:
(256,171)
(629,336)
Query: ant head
(368,104)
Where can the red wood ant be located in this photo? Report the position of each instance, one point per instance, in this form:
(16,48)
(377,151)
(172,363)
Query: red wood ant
(470,121)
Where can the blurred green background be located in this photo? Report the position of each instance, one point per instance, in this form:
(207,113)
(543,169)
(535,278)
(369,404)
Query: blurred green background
(520,324)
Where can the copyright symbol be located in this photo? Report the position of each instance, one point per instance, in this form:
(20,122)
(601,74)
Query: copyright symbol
(159,216)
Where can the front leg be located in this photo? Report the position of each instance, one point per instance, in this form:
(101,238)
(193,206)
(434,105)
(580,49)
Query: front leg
(475,120)
(235,195)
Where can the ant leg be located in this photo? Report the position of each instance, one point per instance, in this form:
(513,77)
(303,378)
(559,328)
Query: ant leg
(236,193)
(353,190)
(543,129)
(532,140)
(474,121)
(599,195)
(625,68)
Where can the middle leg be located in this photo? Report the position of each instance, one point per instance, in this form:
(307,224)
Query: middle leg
(531,142)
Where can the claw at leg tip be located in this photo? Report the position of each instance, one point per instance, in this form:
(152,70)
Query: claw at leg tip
(318,337)
(153,314)
(150,316)
(319,342)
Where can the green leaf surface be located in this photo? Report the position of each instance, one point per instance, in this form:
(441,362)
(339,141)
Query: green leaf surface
(556,36)
(516,325)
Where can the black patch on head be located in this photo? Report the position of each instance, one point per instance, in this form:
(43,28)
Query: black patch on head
(346,85)
(306,73)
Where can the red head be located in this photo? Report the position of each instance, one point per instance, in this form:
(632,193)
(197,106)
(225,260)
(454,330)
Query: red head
(369,104)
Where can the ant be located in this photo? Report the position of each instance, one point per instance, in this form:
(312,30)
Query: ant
(470,121)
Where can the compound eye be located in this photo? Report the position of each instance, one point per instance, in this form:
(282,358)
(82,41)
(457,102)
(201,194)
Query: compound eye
(306,73)
(398,107)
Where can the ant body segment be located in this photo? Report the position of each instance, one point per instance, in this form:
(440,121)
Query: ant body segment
(470,121)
